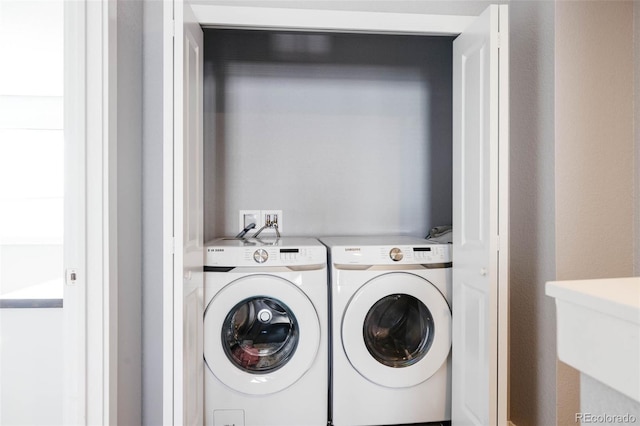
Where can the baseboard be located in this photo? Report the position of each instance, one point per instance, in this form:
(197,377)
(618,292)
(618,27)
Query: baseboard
(511,423)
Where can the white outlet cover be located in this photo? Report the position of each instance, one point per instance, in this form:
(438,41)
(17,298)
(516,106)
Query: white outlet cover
(245,217)
(263,219)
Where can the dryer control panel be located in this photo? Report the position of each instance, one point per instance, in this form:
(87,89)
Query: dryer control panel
(387,251)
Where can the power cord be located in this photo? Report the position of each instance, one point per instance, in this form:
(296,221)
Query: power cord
(245,230)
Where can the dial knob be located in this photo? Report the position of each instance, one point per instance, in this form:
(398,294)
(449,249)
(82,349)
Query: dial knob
(260,255)
(396,254)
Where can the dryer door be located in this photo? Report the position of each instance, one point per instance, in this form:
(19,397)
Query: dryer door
(396,330)
(262,334)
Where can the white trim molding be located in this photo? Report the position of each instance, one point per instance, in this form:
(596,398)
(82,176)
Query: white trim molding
(75,232)
(98,91)
(167,213)
(328,20)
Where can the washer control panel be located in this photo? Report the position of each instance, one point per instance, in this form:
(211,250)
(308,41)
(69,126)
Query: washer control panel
(285,255)
(231,253)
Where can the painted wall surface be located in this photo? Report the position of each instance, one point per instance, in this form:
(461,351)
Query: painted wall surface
(636,114)
(152,136)
(532,249)
(346,134)
(129,208)
(31,359)
(594,165)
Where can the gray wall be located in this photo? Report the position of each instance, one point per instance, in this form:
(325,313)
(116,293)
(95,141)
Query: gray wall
(636,114)
(594,153)
(532,248)
(352,137)
(129,183)
(152,135)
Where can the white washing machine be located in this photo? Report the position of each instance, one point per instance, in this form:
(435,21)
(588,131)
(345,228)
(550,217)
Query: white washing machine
(391,330)
(266,333)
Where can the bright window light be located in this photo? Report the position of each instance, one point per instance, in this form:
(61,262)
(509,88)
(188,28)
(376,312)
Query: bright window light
(31,149)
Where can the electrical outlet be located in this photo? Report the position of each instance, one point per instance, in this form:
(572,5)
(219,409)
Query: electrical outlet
(247,217)
(271,216)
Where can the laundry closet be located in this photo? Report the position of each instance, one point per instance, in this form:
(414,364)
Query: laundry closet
(346,132)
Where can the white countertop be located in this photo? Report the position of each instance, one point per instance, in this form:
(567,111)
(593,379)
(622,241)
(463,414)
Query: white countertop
(618,297)
(598,329)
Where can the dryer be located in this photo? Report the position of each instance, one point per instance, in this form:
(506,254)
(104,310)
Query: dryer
(391,330)
(266,333)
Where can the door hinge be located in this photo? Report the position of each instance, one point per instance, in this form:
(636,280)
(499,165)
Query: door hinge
(71,276)
(173,28)
(499,41)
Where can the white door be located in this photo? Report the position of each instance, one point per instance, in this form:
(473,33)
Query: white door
(480,217)
(187,218)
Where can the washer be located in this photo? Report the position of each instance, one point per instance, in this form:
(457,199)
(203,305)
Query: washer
(391,330)
(266,333)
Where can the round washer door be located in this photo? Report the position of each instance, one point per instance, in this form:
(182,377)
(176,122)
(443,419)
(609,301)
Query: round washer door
(396,330)
(262,334)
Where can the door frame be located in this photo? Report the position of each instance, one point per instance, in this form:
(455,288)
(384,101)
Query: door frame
(90,301)
(329,20)
(295,20)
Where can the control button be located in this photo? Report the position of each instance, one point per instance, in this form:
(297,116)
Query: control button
(288,256)
(260,255)
(396,254)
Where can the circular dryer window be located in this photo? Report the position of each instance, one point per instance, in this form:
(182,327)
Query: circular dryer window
(260,335)
(398,330)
